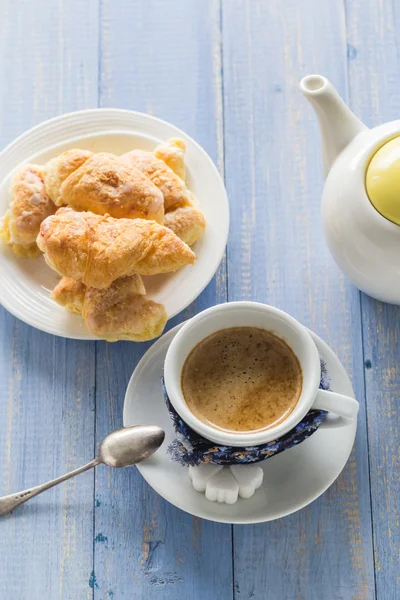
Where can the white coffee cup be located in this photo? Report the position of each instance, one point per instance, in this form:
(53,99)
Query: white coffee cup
(253,314)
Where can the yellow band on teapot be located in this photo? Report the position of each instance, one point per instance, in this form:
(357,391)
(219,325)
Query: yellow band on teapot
(383,180)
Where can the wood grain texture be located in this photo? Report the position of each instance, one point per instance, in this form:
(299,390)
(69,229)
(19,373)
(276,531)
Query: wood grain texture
(374,72)
(48,65)
(160,57)
(276,254)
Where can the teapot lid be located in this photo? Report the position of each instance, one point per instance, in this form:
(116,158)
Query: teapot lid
(383,180)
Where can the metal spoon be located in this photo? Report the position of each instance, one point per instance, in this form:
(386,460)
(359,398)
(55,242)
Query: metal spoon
(124,447)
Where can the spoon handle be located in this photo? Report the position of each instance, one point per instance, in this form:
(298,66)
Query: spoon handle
(8,503)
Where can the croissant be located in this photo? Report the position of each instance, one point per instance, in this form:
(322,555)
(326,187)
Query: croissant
(172,152)
(105,184)
(29,206)
(188,223)
(59,168)
(172,187)
(70,293)
(120,312)
(99,249)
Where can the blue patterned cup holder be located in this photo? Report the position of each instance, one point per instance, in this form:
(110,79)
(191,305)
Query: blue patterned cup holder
(191,449)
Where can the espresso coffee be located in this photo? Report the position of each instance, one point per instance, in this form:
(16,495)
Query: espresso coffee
(242,379)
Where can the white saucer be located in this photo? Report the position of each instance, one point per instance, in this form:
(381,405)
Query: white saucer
(25,284)
(292,479)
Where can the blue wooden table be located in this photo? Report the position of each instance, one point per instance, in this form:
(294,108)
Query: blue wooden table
(227,72)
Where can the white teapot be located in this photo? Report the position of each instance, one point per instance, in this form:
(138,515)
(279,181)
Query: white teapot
(361,197)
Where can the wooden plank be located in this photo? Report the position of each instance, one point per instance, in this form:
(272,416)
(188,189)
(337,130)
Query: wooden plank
(160,57)
(277,254)
(373,51)
(48,65)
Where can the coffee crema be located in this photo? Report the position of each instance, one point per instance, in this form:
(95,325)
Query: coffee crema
(242,379)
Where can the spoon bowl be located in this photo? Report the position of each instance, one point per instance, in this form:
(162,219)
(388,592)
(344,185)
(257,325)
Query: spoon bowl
(130,445)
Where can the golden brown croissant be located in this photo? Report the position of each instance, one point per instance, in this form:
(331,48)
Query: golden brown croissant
(172,187)
(59,168)
(70,293)
(120,312)
(29,206)
(99,249)
(172,152)
(105,184)
(187,222)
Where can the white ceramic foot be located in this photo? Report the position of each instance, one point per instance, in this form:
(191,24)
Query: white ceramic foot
(222,487)
(226,484)
(249,478)
(201,474)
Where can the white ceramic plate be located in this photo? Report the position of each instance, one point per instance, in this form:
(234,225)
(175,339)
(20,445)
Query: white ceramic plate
(292,480)
(25,284)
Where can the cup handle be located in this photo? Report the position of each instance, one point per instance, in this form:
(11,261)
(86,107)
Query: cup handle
(344,408)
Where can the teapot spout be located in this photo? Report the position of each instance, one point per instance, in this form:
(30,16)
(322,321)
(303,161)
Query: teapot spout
(337,123)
